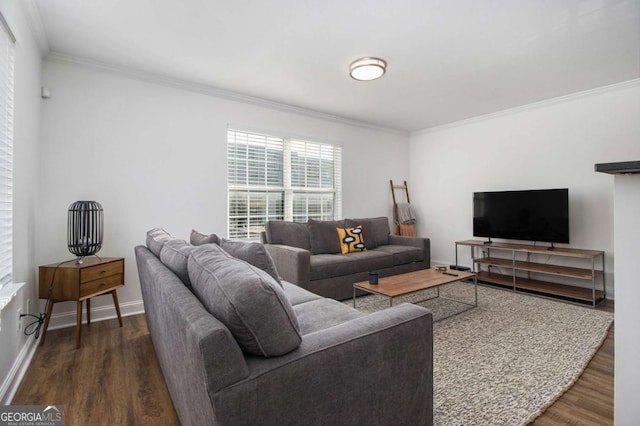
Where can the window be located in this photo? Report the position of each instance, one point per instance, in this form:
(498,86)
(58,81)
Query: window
(280,178)
(7,41)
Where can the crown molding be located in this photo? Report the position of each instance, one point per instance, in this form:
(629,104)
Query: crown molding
(541,104)
(209,90)
(37,27)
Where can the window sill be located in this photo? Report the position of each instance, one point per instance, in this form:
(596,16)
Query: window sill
(8,293)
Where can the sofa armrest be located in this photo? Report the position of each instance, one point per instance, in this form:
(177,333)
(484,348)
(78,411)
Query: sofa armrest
(400,240)
(293,264)
(375,367)
(423,243)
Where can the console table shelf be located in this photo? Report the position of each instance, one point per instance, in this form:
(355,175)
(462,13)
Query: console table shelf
(560,290)
(539,267)
(593,294)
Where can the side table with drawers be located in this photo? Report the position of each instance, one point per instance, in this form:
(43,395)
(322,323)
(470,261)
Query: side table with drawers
(80,282)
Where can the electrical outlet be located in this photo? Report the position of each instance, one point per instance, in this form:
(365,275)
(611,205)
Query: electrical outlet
(19,320)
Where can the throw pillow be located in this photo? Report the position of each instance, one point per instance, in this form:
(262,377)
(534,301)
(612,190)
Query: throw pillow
(294,234)
(254,253)
(198,239)
(156,238)
(375,230)
(322,235)
(351,240)
(175,255)
(246,300)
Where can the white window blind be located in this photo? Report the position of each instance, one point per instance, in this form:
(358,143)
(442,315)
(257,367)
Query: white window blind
(280,178)
(7,42)
(315,181)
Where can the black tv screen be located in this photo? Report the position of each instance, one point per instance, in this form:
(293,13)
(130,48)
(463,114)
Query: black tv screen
(533,215)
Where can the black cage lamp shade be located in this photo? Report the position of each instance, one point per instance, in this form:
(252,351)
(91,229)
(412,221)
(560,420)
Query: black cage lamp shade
(85,228)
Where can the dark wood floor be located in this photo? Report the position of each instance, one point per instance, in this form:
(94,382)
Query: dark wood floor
(114,378)
(590,399)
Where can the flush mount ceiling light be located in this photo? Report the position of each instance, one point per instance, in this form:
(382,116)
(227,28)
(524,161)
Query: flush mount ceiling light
(365,69)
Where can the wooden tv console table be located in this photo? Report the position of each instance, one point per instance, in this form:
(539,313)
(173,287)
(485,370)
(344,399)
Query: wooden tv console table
(520,260)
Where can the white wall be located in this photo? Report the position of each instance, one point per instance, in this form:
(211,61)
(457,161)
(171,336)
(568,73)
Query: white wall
(627,350)
(154,155)
(16,347)
(554,144)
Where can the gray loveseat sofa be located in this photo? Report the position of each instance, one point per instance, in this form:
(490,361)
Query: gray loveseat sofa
(309,255)
(237,347)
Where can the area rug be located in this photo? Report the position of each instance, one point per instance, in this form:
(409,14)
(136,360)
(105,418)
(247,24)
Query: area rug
(505,361)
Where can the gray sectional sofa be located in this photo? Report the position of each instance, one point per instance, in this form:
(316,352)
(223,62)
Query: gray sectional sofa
(308,254)
(239,346)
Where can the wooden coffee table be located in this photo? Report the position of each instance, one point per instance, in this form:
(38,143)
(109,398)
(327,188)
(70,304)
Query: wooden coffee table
(413,282)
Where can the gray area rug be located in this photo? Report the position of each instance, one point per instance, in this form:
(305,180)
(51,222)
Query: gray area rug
(505,361)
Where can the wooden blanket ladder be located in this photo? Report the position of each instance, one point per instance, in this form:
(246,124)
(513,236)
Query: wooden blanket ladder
(401,229)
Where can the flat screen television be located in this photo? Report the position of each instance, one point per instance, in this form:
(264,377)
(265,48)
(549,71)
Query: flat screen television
(532,215)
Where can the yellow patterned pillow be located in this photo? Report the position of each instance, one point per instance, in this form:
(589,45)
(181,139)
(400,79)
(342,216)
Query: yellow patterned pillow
(351,240)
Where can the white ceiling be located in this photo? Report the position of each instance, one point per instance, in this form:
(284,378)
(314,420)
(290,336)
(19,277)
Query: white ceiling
(448,59)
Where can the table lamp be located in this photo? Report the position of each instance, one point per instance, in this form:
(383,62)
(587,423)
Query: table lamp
(85,228)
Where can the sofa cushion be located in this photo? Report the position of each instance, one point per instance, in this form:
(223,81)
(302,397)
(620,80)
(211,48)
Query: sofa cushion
(320,314)
(246,300)
(403,254)
(323,236)
(297,295)
(198,238)
(351,240)
(294,234)
(156,238)
(375,230)
(253,253)
(175,255)
(336,265)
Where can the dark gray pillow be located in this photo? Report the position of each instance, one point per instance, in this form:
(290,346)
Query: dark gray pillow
(323,236)
(156,238)
(294,234)
(253,253)
(246,300)
(198,239)
(374,230)
(175,255)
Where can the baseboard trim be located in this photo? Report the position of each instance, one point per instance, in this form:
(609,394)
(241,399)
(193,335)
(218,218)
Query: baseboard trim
(102,313)
(18,370)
